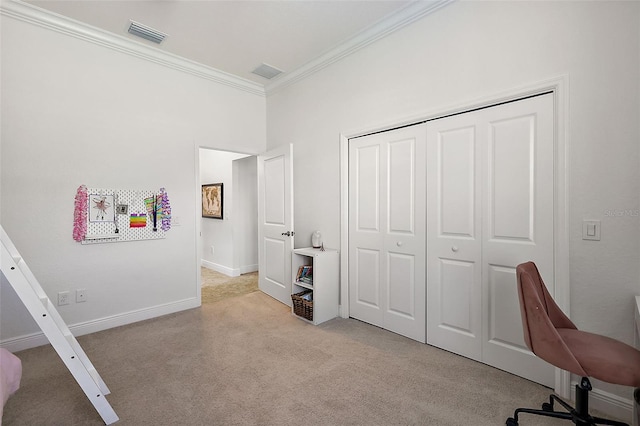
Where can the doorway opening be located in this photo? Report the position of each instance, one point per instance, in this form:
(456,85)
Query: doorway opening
(227,243)
(217,286)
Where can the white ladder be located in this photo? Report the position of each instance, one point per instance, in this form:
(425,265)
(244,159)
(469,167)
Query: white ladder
(53,326)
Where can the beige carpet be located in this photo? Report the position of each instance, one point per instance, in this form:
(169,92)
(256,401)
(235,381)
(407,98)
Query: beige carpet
(248,361)
(217,286)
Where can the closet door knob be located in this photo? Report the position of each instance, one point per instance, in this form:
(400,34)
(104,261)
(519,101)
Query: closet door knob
(454,249)
(399,243)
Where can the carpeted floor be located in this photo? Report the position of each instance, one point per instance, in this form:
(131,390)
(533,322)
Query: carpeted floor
(217,286)
(247,360)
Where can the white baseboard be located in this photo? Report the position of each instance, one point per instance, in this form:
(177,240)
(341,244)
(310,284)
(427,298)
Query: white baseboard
(611,405)
(248,268)
(232,272)
(221,268)
(33,340)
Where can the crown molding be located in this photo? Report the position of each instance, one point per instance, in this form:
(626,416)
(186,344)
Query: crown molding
(25,12)
(400,19)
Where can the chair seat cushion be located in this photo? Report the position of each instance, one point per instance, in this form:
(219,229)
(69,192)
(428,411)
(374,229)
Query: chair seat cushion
(604,358)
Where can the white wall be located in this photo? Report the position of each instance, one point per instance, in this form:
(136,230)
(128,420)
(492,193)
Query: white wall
(245,215)
(216,167)
(73,113)
(473,50)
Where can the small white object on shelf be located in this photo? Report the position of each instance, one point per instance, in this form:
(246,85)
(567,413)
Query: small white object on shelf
(316,239)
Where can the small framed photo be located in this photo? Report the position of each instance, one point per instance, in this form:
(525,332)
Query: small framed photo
(122,208)
(212,200)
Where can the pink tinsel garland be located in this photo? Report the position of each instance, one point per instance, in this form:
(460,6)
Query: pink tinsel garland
(80,214)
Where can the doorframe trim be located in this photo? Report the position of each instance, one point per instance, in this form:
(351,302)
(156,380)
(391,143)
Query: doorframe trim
(559,86)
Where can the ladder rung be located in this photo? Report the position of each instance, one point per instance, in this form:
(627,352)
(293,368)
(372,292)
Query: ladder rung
(39,292)
(96,378)
(57,319)
(82,357)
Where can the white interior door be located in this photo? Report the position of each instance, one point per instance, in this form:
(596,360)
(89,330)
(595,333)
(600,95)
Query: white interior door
(387,230)
(490,207)
(454,236)
(275,222)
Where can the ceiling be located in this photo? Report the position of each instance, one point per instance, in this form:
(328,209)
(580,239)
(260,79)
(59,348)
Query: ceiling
(236,36)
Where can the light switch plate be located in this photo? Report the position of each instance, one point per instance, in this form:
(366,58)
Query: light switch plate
(591,230)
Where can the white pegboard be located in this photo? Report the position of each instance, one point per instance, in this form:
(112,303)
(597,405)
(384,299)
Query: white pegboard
(103,218)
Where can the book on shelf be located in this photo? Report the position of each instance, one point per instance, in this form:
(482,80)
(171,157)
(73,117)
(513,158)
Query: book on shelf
(305,274)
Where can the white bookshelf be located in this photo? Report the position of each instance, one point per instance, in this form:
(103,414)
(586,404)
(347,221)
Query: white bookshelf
(325,284)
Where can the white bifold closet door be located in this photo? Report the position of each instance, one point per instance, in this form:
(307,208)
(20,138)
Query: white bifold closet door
(387,230)
(490,192)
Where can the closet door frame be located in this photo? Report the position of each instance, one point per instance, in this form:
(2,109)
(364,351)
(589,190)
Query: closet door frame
(559,87)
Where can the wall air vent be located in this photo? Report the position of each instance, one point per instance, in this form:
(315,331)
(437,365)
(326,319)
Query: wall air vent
(267,71)
(145,32)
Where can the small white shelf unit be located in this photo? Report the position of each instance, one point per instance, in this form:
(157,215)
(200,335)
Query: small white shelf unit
(325,285)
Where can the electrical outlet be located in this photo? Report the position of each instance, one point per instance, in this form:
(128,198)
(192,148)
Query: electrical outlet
(63,298)
(81,295)
(212,250)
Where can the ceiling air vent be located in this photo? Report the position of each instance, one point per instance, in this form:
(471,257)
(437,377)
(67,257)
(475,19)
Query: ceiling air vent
(145,32)
(267,71)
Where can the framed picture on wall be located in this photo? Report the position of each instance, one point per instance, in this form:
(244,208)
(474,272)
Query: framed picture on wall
(212,200)
(101,208)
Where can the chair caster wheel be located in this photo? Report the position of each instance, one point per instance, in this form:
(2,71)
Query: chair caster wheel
(547,407)
(511,422)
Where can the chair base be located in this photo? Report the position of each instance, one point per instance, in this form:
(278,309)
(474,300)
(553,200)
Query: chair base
(579,415)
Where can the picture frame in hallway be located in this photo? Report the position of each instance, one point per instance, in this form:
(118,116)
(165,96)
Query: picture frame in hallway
(213,200)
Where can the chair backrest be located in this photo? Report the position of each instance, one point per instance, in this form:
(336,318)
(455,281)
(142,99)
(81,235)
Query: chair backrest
(541,316)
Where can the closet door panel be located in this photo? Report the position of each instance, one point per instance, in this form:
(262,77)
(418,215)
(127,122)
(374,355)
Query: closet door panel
(489,207)
(511,178)
(401,296)
(502,292)
(454,320)
(456,280)
(367,283)
(367,185)
(456,165)
(518,225)
(401,202)
(366,236)
(387,210)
